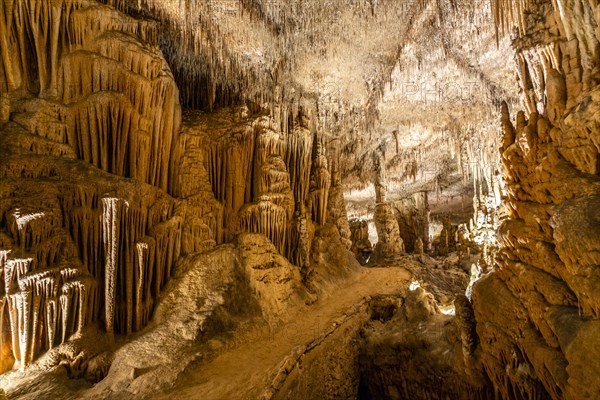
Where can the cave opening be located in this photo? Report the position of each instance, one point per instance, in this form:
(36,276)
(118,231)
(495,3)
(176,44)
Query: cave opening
(306,199)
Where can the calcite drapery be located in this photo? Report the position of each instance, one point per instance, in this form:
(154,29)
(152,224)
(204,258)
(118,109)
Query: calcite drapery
(259,177)
(106,97)
(47,295)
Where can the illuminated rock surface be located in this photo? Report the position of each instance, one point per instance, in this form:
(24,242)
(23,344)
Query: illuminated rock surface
(188,190)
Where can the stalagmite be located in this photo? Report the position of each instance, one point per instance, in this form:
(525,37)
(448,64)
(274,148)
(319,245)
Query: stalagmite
(361,246)
(389,241)
(336,208)
(320,182)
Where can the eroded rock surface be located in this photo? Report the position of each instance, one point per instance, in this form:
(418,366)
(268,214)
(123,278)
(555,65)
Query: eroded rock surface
(135,237)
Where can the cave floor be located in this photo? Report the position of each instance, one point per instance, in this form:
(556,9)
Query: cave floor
(246,369)
(250,362)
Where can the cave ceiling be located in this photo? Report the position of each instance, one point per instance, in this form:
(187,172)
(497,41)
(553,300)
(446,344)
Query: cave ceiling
(417,81)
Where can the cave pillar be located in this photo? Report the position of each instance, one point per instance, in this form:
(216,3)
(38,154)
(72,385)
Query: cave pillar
(389,241)
(380,180)
(320,183)
(336,212)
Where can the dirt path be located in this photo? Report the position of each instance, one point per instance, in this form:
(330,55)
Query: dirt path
(243,372)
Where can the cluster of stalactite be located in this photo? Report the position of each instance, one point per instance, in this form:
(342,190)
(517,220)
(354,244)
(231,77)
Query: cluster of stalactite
(488,214)
(101,104)
(195,155)
(72,255)
(263,180)
(119,107)
(46,294)
(140,244)
(538,311)
(206,44)
(77,245)
(273,209)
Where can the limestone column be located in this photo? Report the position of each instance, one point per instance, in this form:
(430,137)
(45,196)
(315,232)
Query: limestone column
(336,206)
(389,240)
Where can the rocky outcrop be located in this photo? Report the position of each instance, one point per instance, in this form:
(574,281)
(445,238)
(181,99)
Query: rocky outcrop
(536,313)
(413,220)
(412,350)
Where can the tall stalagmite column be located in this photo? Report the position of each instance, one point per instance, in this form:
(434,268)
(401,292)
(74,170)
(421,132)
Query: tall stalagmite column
(389,241)
(336,205)
(320,182)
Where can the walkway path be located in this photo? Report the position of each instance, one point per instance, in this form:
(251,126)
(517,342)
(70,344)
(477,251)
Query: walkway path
(245,371)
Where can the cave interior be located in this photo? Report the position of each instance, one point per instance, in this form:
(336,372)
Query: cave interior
(300,199)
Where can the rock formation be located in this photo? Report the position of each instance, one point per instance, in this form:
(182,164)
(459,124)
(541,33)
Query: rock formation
(389,240)
(361,245)
(544,302)
(413,221)
(89,100)
(174,173)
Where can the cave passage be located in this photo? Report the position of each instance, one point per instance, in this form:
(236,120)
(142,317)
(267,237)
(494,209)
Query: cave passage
(307,199)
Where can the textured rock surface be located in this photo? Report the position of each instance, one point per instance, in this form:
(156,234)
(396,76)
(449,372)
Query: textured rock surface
(134,237)
(388,233)
(105,185)
(540,303)
(413,221)
(361,245)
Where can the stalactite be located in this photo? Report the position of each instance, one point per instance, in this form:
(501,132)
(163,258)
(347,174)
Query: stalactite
(227,164)
(267,218)
(142,119)
(46,305)
(272,212)
(110,221)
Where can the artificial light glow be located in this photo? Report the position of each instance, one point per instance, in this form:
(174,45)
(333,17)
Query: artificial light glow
(448,310)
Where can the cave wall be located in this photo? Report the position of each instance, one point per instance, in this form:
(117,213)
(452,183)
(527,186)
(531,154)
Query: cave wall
(537,312)
(82,81)
(105,184)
